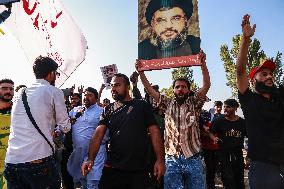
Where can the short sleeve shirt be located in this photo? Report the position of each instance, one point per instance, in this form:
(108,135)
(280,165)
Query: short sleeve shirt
(182,133)
(231,133)
(265,125)
(128,124)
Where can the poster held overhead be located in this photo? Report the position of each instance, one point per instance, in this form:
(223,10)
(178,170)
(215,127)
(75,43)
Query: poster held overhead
(169,29)
(108,72)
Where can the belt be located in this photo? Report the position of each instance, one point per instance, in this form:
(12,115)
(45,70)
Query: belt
(42,160)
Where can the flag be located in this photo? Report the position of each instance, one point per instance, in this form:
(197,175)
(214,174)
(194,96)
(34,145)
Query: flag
(45,28)
(2,32)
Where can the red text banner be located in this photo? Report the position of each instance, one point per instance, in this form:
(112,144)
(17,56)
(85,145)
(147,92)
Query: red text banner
(173,62)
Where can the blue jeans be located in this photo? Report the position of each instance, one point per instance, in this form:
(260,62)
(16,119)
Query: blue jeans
(266,175)
(89,184)
(184,173)
(43,175)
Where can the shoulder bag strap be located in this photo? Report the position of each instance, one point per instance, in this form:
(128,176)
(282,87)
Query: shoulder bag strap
(24,99)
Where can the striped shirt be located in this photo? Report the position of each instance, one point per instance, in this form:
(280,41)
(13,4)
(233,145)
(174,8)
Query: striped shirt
(182,134)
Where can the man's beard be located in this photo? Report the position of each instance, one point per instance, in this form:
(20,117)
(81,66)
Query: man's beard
(261,88)
(52,83)
(170,43)
(5,99)
(119,97)
(181,99)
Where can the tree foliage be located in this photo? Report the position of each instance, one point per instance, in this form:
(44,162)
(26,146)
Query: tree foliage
(255,57)
(183,72)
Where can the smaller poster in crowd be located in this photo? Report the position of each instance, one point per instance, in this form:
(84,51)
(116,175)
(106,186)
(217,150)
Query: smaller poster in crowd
(108,72)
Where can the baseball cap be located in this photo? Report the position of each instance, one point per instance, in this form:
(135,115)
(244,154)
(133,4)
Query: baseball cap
(269,64)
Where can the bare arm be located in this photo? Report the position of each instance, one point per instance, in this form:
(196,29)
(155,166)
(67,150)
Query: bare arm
(159,167)
(214,138)
(100,94)
(205,73)
(94,148)
(135,91)
(146,83)
(242,60)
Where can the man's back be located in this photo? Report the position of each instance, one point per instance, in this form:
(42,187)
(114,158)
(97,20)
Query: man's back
(48,109)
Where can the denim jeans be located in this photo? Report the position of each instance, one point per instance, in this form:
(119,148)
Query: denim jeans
(184,173)
(89,184)
(266,175)
(43,175)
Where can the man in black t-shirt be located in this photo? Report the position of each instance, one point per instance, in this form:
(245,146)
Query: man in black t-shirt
(264,113)
(127,120)
(230,131)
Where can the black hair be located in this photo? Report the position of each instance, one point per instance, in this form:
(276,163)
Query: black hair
(76,94)
(125,78)
(182,79)
(92,90)
(43,66)
(232,103)
(218,103)
(7,81)
(106,100)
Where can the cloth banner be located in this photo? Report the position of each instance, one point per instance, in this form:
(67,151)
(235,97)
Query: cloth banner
(108,72)
(45,28)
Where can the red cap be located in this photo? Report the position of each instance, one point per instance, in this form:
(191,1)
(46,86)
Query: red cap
(269,64)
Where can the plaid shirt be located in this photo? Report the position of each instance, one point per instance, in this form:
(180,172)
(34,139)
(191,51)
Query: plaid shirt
(182,134)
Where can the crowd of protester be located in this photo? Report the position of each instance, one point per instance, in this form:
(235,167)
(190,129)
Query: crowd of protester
(62,138)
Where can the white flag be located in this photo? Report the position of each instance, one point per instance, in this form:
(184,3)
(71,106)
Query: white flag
(45,28)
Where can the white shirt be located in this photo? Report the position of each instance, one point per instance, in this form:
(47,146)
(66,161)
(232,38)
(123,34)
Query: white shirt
(48,109)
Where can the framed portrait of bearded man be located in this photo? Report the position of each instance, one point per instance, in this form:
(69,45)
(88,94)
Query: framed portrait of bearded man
(168,31)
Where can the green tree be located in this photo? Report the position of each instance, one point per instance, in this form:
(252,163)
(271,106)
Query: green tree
(183,72)
(255,57)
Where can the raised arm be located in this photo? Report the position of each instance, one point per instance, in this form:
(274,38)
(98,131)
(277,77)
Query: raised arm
(146,83)
(93,149)
(242,60)
(205,74)
(135,91)
(100,94)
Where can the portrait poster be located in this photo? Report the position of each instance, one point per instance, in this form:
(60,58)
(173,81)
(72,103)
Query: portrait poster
(169,34)
(108,72)
(4,136)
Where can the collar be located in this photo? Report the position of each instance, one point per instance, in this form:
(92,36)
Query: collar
(42,81)
(91,107)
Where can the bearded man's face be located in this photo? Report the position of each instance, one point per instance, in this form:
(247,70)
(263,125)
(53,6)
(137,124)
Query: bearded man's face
(6,92)
(169,24)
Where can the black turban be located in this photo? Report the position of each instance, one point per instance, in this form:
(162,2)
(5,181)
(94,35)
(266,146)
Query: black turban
(154,5)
